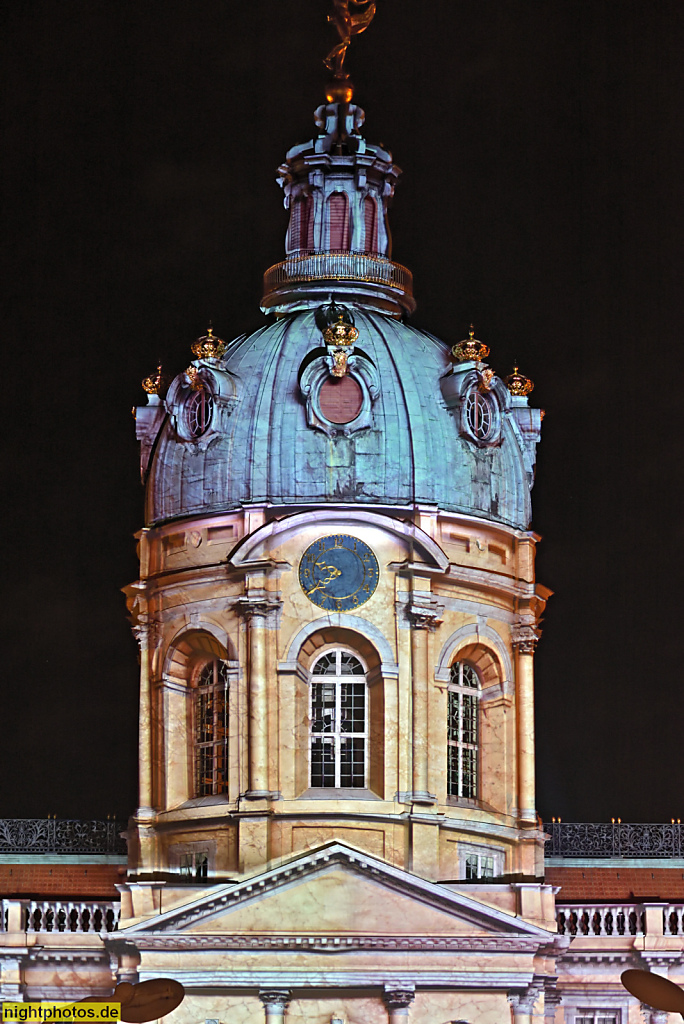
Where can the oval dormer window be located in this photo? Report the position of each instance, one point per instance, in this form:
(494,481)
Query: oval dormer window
(340,399)
(479,415)
(199,410)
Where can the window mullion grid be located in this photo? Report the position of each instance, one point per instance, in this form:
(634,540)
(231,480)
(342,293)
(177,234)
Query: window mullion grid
(338,726)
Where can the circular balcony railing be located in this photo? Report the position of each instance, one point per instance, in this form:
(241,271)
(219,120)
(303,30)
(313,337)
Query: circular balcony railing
(371,268)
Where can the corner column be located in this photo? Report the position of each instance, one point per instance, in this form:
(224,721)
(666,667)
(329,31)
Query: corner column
(146,633)
(523,1002)
(275,1004)
(258,608)
(397,1002)
(524,638)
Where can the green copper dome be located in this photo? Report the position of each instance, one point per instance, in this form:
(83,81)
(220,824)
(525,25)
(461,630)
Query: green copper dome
(269,422)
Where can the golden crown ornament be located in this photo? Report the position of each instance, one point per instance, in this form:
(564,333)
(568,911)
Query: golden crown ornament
(157,382)
(340,333)
(208,346)
(518,385)
(470,350)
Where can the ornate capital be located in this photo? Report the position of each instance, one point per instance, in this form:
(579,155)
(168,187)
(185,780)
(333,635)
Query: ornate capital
(147,632)
(398,998)
(523,1000)
(259,604)
(425,613)
(524,636)
(274,999)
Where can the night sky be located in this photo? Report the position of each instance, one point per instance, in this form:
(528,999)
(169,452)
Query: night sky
(541,144)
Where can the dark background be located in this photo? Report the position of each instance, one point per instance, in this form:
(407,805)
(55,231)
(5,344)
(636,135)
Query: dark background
(541,142)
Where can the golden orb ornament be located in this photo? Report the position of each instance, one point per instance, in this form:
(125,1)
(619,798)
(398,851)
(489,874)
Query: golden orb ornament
(339,91)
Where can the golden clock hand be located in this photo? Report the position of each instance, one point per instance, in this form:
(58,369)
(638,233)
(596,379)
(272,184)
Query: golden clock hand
(334,573)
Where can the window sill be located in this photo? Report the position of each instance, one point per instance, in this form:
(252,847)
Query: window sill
(338,794)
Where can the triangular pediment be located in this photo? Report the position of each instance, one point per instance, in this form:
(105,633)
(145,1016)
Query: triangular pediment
(340,891)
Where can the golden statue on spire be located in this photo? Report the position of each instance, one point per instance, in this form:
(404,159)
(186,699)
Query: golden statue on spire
(349,18)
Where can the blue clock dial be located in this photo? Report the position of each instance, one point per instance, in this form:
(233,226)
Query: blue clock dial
(338,572)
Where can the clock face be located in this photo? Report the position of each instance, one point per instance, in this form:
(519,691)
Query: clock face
(338,572)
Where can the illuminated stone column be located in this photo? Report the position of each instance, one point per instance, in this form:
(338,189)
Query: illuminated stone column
(524,638)
(258,608)
(275,1004)
(523,1004)
(424,615)
(397,1002)
(146,634)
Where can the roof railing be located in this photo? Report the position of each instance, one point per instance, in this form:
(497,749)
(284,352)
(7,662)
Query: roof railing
(613,839)
(61,835)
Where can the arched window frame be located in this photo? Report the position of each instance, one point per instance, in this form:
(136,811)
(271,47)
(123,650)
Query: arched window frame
(370,223)
(464,694)
(336,772)
(338,221)
(210,727)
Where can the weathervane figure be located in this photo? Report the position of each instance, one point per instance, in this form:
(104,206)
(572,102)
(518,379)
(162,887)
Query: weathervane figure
(349,18)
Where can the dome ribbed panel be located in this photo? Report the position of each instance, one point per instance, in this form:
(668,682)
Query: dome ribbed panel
(412,453)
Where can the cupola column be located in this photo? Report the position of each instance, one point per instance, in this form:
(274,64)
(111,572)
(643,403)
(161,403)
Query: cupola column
(258,608)
(524,637)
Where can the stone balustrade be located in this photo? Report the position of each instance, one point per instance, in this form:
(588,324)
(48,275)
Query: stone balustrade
(601,919)
(673,919)
(78,916)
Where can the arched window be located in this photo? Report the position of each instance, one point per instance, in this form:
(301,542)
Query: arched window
(370,216)
(301,224)
(463,731)
(339,722)
(211,728)
(338,222)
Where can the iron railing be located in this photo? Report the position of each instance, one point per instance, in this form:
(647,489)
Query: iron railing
(338,266)
(61,835)
(615,839)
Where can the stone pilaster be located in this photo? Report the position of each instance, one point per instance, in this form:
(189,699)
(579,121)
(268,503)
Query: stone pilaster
(398,1001)
(275,1003)
(522,1003)
(258,608)
(524,637)
(147,633)
(424,614)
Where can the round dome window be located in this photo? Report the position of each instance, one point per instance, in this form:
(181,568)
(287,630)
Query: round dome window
(199,410)
(340,399)
(479,415)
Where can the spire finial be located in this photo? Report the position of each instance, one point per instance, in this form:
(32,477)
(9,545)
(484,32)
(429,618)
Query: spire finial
(350,17)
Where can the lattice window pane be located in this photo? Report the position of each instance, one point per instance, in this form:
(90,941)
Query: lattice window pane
(352,767)
(478,415)
(211,729)
(200,409)
(471,867)
(454,715)
(338,722)
(462,731)
(349,665)
(326,665)
(322,762)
